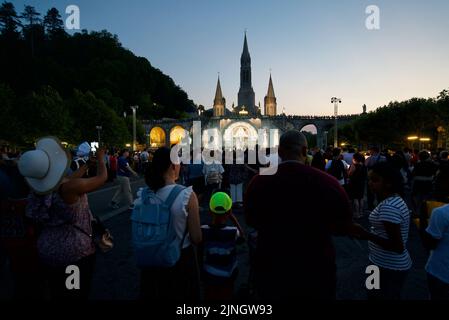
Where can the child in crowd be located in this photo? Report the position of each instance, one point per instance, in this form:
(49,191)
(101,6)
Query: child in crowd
(219,249)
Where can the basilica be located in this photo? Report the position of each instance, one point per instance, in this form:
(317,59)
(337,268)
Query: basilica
(240,125)
(246,97)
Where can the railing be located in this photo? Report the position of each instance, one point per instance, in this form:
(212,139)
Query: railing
(278,117)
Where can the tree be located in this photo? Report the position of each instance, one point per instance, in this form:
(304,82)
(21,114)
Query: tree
(10,128)
(9,21)
(53,24)
(32,17)
(87,112)
(42,113)
(108,79)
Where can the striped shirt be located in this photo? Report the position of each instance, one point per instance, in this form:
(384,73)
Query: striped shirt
(220,252)
(394,210)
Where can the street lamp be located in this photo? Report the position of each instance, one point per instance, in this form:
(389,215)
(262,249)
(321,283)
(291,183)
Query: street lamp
(99,129)
(325,139)
(134,108)
(335,101)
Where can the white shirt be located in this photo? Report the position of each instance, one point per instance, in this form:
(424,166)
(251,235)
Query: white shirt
(438,263)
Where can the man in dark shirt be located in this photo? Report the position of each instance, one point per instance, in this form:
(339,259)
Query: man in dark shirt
(296,211)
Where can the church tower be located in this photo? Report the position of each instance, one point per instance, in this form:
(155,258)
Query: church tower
(246,96)
(270,101)
(219,102)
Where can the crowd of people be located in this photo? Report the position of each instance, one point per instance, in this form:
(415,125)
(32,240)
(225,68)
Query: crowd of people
(291,217)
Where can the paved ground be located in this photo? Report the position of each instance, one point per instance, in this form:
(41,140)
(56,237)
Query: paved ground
(116,276)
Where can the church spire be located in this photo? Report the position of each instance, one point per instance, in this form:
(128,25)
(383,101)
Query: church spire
(218,93)
(245,54)
(270,92)
(246,96)
(219,101)
(270,103)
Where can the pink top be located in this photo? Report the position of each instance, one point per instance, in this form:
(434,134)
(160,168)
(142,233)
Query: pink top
(61,242)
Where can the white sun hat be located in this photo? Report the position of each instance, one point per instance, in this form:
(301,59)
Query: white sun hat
(44,167)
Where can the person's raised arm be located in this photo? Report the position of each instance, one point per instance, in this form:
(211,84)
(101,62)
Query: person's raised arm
(80,172)
(193,220)
(75,187)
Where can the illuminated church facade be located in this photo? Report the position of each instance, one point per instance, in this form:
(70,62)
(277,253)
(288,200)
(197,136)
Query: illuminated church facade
(240,126)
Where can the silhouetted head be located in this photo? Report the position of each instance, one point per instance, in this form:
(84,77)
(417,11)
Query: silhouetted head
(293,146)
(423,155)
(124,153)
(336,152)
(385,180)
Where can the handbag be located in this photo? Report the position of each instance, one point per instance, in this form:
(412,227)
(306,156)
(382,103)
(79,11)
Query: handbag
(102,237)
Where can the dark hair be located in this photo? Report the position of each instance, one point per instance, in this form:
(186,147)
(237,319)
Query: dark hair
(123,151)
(318,161)
(398,160)
(154,177)
(423,155)
(336,152)
(390,175)
(358,157)
(374,149)
(444,155)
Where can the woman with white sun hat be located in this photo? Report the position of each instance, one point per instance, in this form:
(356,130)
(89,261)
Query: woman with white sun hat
(59,205)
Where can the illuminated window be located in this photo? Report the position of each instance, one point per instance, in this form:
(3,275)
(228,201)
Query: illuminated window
(177,134)
(157,137)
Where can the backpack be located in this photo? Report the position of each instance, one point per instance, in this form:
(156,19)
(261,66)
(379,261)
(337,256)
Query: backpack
(213,177)
(144,156)
(154,237)
(337,169)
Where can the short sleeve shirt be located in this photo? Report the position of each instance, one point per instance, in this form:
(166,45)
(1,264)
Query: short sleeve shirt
(438,263)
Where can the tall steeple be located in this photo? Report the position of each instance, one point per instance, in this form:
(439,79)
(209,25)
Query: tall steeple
(246,96)
(219,101)
(270,104)
(245,58)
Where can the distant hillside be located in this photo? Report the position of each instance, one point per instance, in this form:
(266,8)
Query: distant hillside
(73,79)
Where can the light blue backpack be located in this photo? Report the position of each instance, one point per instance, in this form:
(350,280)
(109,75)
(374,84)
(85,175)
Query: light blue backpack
(154,237)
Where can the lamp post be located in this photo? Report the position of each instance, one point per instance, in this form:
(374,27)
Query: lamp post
(335,101)
(99,129)
(325,139)
(134,108)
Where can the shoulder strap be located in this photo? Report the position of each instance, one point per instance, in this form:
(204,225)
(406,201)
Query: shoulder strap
(169,202)
(173,194)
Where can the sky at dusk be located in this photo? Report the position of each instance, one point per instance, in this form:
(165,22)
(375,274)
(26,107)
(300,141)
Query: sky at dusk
(316,49)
